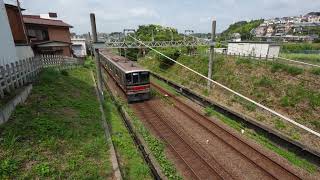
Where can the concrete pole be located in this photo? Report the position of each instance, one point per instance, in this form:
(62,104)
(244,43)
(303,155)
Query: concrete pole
(96,53)
(211,57)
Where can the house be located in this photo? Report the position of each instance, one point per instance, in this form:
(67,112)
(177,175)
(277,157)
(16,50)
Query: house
(260,31)
(13,44)
(79,47)
(48,35)
(270,30)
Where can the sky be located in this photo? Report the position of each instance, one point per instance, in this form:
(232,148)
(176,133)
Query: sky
(115,15)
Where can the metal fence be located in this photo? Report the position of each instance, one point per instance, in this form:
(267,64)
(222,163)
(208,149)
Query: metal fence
(22,72)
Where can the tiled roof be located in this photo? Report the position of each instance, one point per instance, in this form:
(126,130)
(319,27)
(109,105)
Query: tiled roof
(33,19)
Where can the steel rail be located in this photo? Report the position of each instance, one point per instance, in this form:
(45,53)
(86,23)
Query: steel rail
(234,92)
(220,138)
(181,138)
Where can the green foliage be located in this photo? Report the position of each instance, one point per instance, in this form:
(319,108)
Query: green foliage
(315,71)
(160,33)
(265,81)
(316,124)
(279,124)
(208,111)
(43,169)
(296,94)
(89,63)
(286,68)
(132,164)
(157,147)
(8,168)
(308,58)
(64,72)
(57,133)
(173,54)
(299,47)
(242,27)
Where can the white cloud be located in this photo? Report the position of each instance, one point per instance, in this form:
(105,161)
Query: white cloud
(182,14)
(143,12)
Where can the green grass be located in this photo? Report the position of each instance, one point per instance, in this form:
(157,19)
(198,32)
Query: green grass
(308,58)
(132,164)
(264,141)
(292,70)
(57,133)
(315,71)
(156,146)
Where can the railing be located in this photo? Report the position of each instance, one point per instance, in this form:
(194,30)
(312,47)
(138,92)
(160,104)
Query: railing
(19,73)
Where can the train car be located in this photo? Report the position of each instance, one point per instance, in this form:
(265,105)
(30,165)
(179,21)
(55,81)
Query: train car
(132,79)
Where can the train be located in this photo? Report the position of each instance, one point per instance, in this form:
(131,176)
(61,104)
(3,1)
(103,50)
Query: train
(130,77)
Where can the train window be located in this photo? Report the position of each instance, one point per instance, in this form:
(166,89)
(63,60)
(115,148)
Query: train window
(144,77)
(135,78)
(129,78)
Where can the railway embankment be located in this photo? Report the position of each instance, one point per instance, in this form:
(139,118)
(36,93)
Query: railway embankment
(57,132)
(259,81)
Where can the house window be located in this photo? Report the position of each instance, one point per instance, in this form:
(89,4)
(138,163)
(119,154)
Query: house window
(38,34)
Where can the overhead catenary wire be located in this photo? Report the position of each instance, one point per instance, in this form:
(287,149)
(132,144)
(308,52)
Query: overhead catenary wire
(234,92)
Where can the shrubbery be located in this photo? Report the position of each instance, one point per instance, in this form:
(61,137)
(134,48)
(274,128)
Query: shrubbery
(173,54)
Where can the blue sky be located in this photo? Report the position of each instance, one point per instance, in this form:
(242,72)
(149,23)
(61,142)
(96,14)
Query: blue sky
(115,15)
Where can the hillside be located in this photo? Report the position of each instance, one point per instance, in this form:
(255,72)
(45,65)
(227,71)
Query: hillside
(242,27)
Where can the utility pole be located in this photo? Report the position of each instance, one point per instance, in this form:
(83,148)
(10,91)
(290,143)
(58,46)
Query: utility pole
(96,53)
(211,58)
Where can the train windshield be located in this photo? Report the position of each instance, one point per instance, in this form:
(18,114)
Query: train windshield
(144,77)
(137,78)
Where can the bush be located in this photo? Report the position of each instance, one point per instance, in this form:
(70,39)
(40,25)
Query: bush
(165,62)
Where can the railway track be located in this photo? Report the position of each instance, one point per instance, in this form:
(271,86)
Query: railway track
(269,167)
(197,162)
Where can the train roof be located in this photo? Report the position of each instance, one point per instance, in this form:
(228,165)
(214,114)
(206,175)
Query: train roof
(123,63)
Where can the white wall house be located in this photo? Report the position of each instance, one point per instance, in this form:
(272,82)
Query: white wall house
(79,47)
(7,47)
(254,49)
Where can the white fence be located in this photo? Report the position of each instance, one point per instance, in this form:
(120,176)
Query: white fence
(16,75)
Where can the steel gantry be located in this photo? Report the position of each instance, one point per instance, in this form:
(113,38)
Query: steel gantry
(134,44)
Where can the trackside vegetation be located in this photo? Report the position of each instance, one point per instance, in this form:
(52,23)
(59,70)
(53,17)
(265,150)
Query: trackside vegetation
(131,162)
(57,133)
(156,146)
(258,137)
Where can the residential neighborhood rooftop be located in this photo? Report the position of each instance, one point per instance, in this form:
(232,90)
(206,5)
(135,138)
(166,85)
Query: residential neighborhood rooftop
(36,19)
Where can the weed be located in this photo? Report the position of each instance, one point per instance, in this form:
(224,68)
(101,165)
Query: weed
(275,67)
(264,81)
(64,72)
(316,124)
(208,111)
(295,135)
(133,165)
(286,101)
(315,71)
(279,124)
(43,169)
(8,167)
(156,146)
(248,105)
